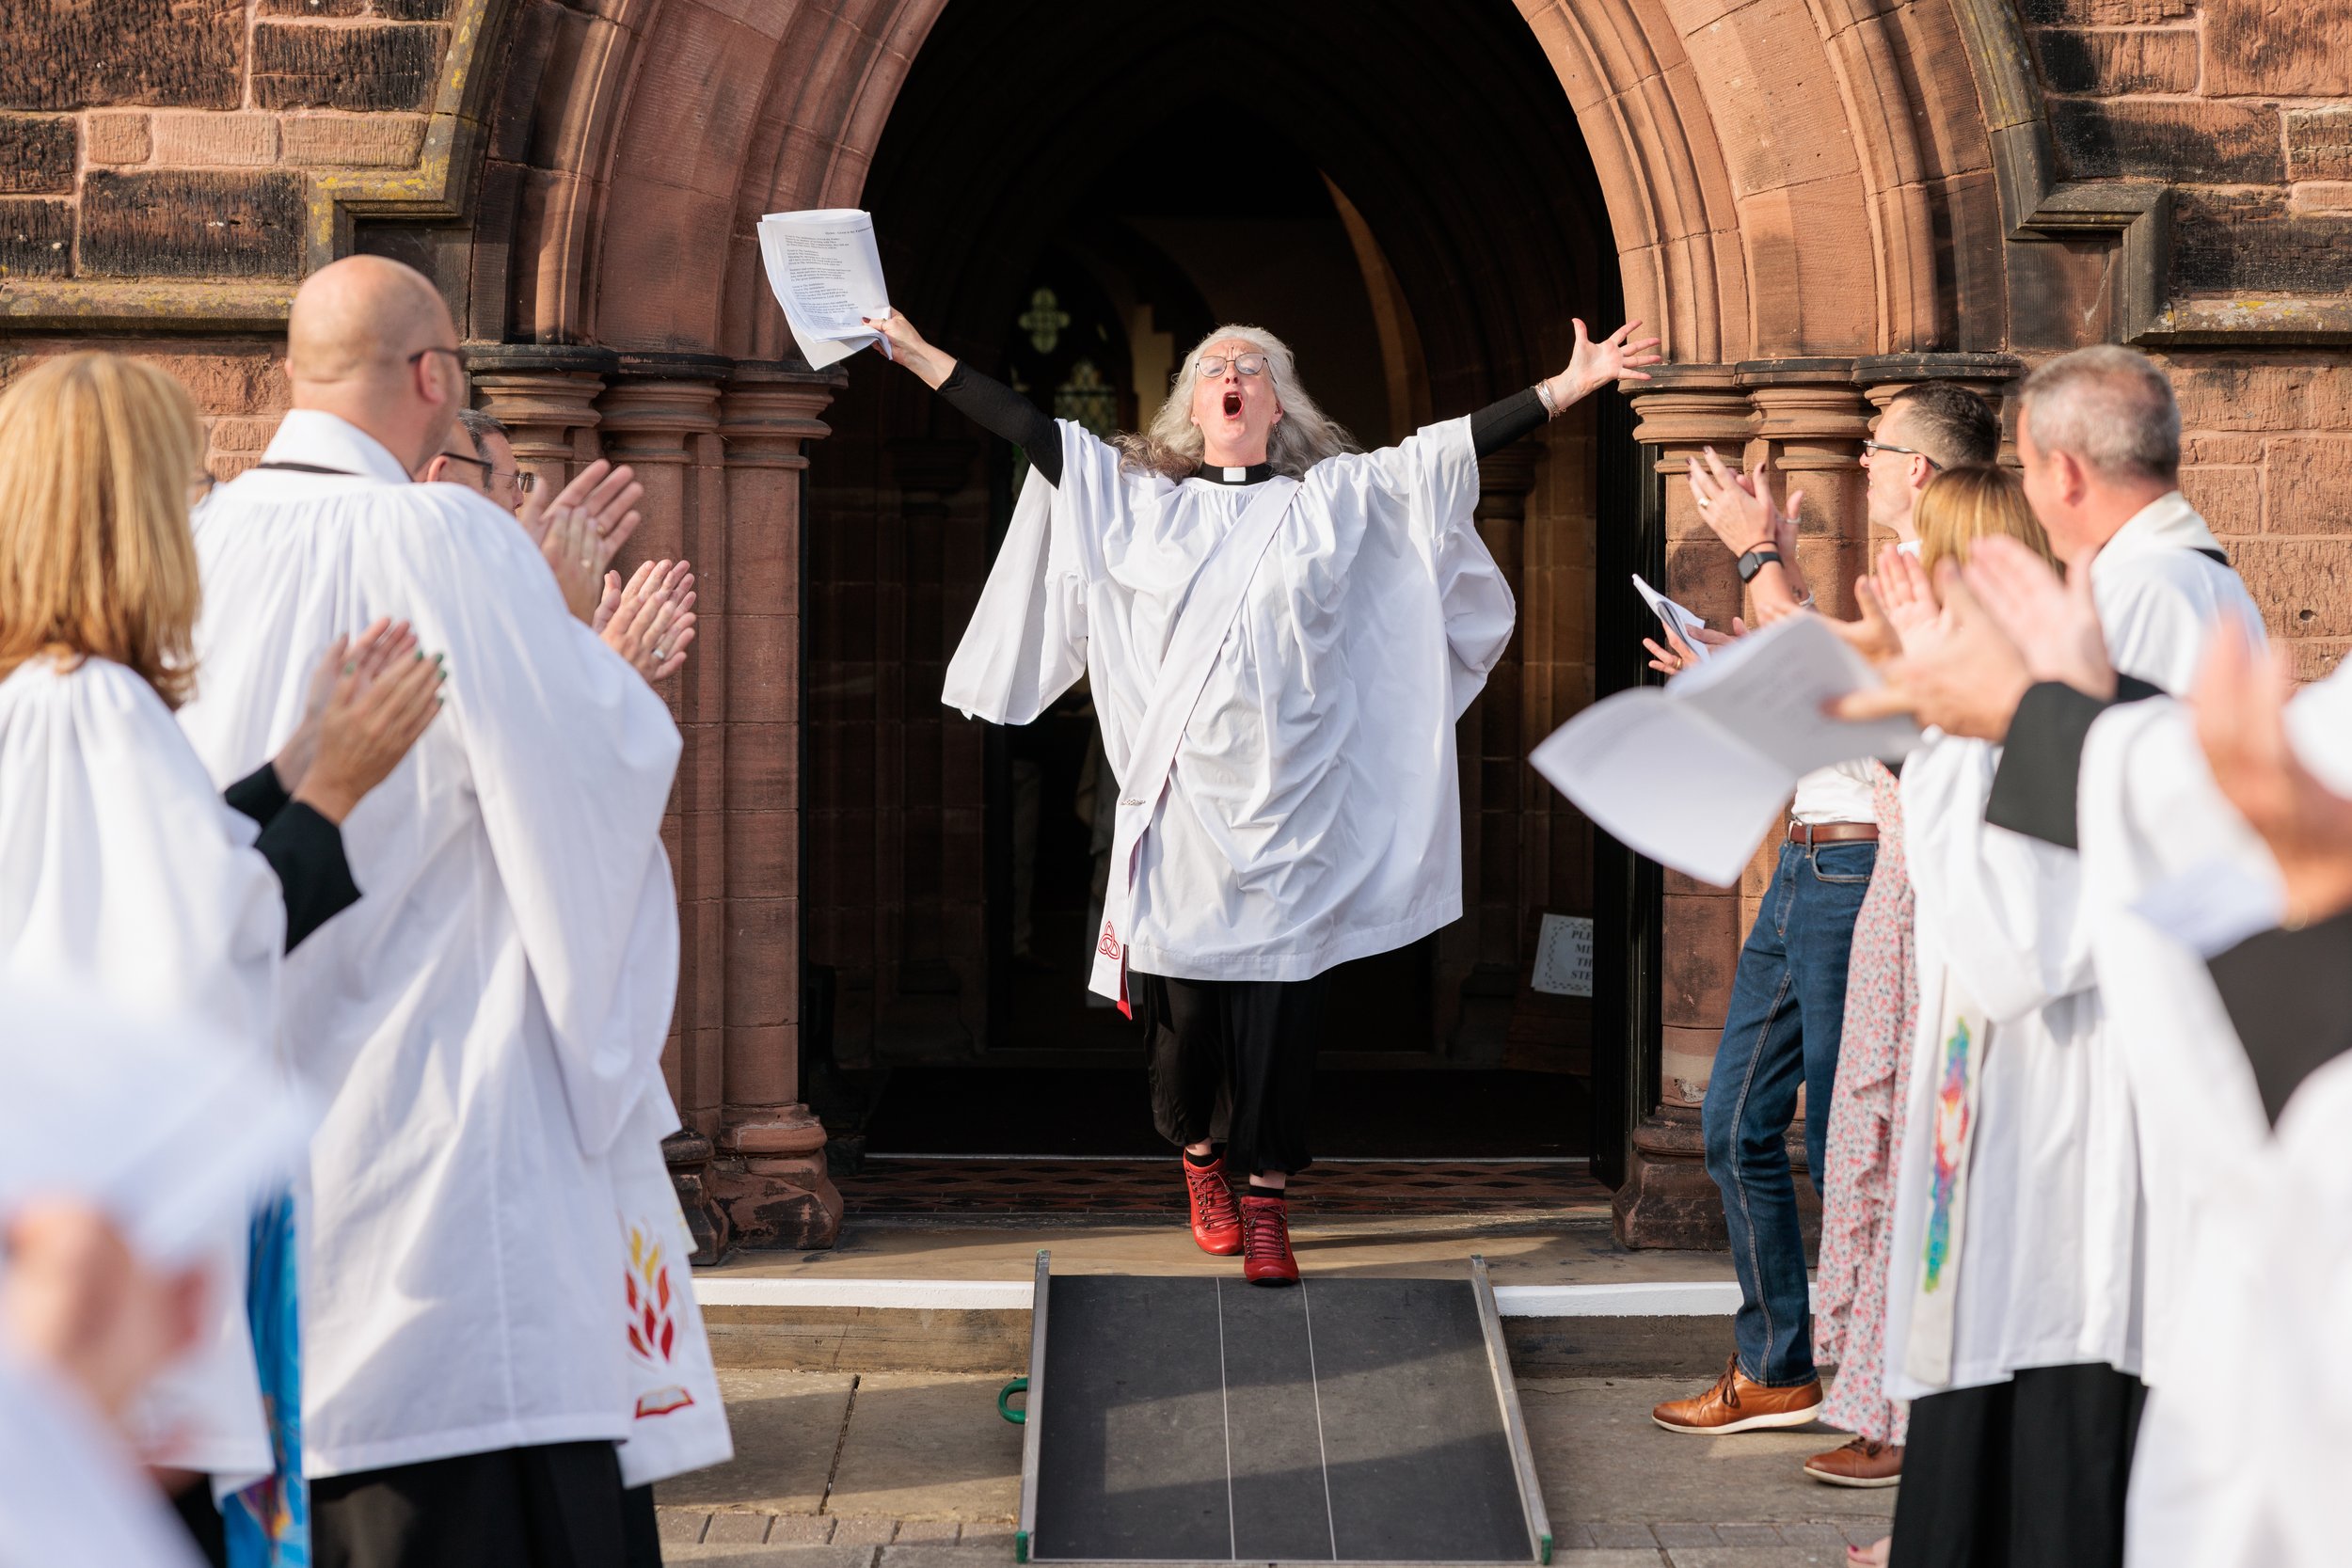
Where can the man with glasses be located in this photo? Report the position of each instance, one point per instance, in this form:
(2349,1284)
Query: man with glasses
(483,1031)
(489,467)
(1786,1016)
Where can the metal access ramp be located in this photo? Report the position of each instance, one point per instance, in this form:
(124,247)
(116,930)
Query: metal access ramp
(1205,1419)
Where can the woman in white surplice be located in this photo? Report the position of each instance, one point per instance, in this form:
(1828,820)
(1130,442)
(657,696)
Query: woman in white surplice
(1280,632)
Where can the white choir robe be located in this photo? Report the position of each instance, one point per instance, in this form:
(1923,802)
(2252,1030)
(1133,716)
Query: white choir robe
(1314,813)
(485,1021)
(123,869)
(2250,1233)
(2046,1261)
(2007,913)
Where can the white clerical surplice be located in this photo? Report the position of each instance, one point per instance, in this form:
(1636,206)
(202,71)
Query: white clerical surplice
(1312,812)
(122,869)
(485,1024)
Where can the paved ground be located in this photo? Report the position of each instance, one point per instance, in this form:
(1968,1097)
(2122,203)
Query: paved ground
(1572,1247)
(914,1470)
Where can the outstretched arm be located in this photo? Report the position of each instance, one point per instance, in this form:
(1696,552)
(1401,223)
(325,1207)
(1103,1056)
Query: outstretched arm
(982,399)
(1616,358)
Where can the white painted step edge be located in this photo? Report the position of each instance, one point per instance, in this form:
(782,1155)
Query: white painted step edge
(1694,1298)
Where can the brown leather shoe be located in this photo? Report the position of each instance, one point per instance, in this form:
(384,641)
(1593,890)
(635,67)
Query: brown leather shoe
(1738,1403)
(1864,1462)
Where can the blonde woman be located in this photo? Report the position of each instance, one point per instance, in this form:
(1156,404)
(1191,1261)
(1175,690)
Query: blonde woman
(1279,632)
(120,862)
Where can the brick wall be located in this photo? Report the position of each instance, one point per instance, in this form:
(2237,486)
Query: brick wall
(2268,443)
(175,139)
(2243,105)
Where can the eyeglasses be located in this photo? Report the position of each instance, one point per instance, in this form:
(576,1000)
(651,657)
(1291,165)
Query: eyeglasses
(1869,446)
(524,483)
(199,487)
(456,354)
(1213,365)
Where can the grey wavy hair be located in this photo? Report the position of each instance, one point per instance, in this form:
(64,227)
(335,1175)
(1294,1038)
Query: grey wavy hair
(1304,436)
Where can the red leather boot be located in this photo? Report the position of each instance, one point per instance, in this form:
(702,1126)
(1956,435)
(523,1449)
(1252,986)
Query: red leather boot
(1216,1223)
(1265,1227)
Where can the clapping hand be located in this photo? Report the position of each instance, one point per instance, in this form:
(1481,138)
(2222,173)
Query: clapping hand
(594,514)
(1958,671)
(366,727)
(2240,707)
(650,622)
(369,655)
(577,557)
(1738,509)
(2056,625)
(607,494)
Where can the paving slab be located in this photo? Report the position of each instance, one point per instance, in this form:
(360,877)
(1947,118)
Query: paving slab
(1602,1458)
(771,1556)
(786,1425)
(925,1446)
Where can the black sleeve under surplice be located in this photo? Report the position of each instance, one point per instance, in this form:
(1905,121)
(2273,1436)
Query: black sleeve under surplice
(1006,415)
(303,849)
(2041,768)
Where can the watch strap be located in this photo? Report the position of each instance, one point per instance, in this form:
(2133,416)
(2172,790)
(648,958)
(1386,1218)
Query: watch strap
(1756,560)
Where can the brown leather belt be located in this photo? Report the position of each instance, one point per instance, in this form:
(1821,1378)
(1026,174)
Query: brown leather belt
(1811,834)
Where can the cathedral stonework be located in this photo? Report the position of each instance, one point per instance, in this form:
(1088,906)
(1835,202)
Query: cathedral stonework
(1814,203)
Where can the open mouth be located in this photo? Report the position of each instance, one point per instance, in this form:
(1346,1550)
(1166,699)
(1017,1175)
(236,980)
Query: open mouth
(1233,404)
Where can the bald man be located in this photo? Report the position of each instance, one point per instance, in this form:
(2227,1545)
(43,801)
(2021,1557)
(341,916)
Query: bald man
(485,1038)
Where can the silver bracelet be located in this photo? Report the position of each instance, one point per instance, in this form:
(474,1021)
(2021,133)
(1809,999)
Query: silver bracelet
(1543,394)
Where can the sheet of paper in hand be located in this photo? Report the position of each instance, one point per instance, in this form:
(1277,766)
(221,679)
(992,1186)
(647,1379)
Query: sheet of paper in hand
(1694,773)
(827,275)
(1673,616)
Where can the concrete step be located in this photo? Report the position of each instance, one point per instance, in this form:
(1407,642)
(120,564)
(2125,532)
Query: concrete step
(915,1293)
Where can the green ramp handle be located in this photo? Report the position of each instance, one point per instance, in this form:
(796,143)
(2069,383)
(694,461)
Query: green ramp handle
(1004,1401)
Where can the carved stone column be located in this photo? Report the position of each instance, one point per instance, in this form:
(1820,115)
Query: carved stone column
(545,395)
(1812,419)
(768,1176)
(660,416)
(1667,1198)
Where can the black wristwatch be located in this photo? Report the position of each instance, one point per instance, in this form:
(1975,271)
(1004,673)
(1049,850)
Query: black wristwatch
(1756,560)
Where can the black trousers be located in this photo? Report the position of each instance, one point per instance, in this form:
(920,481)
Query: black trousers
(1233,1062)
(556,1505)
(2025,1474)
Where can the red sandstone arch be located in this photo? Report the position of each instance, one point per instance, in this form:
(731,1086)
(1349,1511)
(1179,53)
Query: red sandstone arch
(1777,175)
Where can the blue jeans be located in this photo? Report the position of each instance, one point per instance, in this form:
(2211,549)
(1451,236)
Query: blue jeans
(1788,1011)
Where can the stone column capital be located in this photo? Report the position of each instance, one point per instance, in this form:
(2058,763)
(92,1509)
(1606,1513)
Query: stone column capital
(541,392)
(1883,375)
(659,401)
(768,410)
(1693,405)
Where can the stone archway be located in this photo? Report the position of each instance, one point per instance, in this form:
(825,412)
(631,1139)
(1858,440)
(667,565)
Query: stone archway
(1804,199)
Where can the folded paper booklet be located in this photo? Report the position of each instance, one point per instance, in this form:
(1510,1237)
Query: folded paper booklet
(1694,773)
(1674,617)
(827,276)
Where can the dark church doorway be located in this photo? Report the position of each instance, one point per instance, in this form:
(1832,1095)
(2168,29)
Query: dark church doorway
(1071,196)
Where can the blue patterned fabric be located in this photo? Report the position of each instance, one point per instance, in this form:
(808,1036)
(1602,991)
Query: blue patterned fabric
(269,1522)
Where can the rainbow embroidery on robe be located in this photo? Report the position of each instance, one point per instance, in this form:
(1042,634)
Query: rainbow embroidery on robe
(1952,1119)
(652,1324)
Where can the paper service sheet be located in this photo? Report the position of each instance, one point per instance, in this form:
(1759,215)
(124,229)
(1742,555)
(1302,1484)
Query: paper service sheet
(826,274)
(1694,773)
(1674,617)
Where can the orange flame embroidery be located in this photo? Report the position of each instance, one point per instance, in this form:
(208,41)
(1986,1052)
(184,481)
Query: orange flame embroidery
(652,1327)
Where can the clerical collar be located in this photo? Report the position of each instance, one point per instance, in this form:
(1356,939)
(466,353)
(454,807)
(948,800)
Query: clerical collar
(1257,473)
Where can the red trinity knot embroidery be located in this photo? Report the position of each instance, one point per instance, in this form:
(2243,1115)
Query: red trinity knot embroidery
(1108,946)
